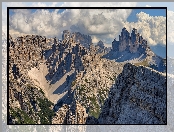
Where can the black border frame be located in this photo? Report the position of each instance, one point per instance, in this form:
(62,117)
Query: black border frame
(8,8)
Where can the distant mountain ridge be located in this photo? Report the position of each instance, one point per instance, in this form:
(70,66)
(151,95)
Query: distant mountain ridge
(100,48)
(84,40)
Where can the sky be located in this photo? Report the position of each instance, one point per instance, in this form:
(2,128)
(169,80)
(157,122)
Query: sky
(132,17)
(106,26)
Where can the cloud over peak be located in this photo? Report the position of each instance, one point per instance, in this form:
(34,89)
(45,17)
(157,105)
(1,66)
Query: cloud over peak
(102,24)
(153,29)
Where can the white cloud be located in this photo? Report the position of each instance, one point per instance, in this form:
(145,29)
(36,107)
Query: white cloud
(103,25)
(108,45)
(97,22)
(95,40)
(52,24)
(153,29)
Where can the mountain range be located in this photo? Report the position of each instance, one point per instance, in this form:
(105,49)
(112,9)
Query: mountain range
(72,81)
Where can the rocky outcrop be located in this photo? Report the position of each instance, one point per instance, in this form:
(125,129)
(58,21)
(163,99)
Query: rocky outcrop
(84,40)
(29,106)
(138,97)
(100,48)
(70,114)
(35,60)
(91,87)
(133,48)
(134,43)
(128,47)
(100,44)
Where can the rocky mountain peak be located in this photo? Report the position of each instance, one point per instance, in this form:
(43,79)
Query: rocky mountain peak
(77,37)
(133,48)
(100,44)
(132,43)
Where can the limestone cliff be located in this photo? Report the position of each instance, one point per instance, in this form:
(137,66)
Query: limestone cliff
(133,48)
(101,48)
(134,99)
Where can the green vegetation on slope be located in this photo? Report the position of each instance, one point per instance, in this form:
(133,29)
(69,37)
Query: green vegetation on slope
(45,113)
(39,107)
(21,117)
(94,107)
(92,102)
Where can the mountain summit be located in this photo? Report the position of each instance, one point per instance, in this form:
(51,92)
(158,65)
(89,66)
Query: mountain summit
(133,48)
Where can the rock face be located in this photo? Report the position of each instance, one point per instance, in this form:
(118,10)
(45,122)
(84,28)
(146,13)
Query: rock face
(84,40)
(44,64)
(134,43)
(73,114)
(101,44)
(133,48)
(101,48)
(134,99)
(91,88)
(128,47)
